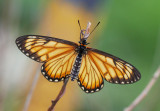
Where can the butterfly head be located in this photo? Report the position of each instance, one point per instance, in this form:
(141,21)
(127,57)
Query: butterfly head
(84,34)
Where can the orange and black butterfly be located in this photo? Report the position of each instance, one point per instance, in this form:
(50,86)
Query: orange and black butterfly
(63,59)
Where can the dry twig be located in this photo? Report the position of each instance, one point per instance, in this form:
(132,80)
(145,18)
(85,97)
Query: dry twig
(144,92)
(51,108)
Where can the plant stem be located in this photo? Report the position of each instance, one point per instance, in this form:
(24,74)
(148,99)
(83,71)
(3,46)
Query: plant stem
(144,92)
(62,91)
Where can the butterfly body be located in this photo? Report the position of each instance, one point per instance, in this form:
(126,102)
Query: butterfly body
(76,67)
(63,59)
(81,50)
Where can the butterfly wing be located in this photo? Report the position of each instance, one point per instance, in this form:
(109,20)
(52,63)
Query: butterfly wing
(57,55)
(113,69)
(102,64)
(57,69)
(43,48)
(89,78)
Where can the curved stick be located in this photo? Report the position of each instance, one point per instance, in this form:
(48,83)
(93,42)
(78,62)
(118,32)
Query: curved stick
(62,91)
(144,92)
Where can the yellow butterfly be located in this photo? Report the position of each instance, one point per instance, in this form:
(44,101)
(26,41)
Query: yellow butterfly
(62,59)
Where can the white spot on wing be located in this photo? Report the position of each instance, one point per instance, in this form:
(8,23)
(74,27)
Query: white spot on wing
(43,73)
(92,91)
(131,81)
(82,88)
(129,66)
(32,37)
(87,91)
(97,89)
(27,54)
(76,78)
(122,82)
(102,86)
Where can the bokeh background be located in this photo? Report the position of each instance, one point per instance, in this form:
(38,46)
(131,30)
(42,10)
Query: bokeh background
(128,29)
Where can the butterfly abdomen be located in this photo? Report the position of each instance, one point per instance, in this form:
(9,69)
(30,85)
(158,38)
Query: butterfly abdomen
(76,67)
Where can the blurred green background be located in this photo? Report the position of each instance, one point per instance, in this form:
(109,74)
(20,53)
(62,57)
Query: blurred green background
(129,30)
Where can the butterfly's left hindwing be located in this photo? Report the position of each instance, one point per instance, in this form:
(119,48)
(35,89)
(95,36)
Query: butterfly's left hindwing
(59,68)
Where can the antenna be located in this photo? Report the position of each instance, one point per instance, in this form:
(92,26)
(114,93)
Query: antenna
(79,24)
(95,27)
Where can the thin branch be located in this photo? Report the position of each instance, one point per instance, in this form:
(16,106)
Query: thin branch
(62,91)
(144,92)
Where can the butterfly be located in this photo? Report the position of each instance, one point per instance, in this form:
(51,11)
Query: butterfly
(63,59)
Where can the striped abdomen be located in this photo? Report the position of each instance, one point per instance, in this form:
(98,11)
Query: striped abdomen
(76,67)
